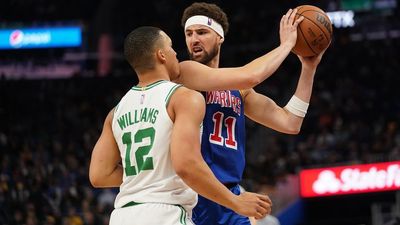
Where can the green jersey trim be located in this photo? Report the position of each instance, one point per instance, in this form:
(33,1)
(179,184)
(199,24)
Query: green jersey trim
(137,88)
(173,89)
(131,204)
(182,218)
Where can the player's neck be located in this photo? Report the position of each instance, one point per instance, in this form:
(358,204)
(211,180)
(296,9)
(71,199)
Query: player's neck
(214,63)
(148,78)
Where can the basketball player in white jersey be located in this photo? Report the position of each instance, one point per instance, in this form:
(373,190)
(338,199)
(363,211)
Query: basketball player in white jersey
(154,132)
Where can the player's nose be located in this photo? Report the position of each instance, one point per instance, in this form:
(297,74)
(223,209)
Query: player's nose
(194,38)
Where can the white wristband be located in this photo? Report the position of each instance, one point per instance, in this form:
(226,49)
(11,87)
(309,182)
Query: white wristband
(297,106)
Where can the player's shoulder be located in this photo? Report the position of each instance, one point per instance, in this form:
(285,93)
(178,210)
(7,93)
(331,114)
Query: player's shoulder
(188,96)
(109,118)
(185,101)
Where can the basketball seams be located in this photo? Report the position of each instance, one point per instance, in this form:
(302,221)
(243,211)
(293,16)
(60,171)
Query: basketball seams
(326,36)
(318,27)
(298,8)
(306,41)
(312,38)
(317,11)
(313,10)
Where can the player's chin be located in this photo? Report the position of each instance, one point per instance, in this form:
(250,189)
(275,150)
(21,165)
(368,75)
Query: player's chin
(197,57)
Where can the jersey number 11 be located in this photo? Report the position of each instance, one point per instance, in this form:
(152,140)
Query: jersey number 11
(230,124)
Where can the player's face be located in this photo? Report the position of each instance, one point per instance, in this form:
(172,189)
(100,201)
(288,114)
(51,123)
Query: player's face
(170,54)
(203,44)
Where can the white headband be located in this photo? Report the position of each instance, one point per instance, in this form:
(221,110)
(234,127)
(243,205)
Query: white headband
(206,21)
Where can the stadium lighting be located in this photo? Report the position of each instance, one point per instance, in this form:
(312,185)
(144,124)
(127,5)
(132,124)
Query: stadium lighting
(342,18)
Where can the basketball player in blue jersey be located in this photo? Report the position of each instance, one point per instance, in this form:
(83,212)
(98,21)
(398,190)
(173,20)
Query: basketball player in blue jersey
(223,134)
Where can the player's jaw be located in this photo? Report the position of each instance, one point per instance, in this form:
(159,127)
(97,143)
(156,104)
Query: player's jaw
(201,55)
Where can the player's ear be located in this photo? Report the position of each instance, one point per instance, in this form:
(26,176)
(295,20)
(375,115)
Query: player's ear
(160,55)
(221,40)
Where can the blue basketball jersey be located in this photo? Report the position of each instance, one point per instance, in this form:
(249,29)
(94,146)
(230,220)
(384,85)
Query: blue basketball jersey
(223,137)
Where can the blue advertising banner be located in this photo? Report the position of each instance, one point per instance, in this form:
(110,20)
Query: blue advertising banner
(26,38)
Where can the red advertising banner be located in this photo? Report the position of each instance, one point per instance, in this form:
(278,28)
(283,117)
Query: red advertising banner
(352,179)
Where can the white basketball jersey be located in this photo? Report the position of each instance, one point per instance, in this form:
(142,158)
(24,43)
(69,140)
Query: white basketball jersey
(142,129)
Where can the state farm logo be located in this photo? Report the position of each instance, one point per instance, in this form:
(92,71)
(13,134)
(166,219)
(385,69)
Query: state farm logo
(16,38)
(355,180)
(326,183)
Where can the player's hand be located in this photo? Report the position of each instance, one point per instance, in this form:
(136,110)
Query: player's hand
(312,61)
(253,205)
(288,28)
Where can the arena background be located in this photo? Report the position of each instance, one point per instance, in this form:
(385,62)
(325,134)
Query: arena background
(53,102)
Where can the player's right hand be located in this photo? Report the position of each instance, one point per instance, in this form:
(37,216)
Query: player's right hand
(312,61)
(288,28)
(253,205)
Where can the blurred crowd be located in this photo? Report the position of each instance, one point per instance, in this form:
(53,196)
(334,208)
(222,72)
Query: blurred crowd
(48,129)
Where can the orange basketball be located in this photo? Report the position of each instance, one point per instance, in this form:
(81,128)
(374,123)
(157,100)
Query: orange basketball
(314,33)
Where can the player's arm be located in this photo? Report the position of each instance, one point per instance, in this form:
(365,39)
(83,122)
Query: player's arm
(265,111)
(189,108)
(197,76)
(105,169)
(286,119)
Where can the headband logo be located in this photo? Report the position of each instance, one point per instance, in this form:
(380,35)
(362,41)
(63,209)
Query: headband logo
(209,22)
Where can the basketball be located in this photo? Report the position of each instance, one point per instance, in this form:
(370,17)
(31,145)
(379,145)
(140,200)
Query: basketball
(314,33)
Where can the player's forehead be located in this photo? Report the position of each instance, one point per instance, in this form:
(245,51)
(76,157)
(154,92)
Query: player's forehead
(197,27)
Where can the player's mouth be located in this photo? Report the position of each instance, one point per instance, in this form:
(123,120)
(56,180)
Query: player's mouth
(196,51)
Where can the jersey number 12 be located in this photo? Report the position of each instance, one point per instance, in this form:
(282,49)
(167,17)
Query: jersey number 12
(141,162)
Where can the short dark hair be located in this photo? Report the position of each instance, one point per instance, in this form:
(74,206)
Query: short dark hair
(139,46)
(206,9)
